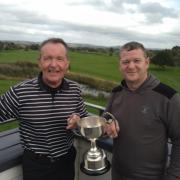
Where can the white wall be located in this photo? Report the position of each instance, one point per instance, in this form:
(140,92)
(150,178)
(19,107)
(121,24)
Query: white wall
(14,173)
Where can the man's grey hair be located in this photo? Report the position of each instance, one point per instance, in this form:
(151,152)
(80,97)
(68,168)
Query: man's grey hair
(54,41)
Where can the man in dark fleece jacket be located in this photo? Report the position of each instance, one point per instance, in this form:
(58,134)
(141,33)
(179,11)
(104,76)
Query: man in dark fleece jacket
(148,113)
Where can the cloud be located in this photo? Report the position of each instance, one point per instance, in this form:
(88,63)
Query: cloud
(113,5)
(155,12)
(94,3)
(125,21)
(14,14)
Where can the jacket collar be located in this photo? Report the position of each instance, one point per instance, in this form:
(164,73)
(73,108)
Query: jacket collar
(149,83)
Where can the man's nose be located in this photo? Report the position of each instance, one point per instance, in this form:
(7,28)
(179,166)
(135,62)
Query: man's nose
(131,64)
(53,62)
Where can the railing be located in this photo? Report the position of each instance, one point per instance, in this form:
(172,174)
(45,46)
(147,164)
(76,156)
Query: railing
(94,106)
(97,107)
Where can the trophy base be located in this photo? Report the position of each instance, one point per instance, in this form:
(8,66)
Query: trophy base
(95,172)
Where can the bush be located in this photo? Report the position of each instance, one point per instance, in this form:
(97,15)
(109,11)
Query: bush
(163,58)
(19,69)
(92,82)
(29,70)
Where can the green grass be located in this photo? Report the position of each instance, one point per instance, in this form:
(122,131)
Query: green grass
(5,84)
(170,76)
(96,65)
(18,55)
(103,66)
(8,125)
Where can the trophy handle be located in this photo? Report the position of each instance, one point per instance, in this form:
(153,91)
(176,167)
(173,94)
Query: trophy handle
(76,132)
(109,118)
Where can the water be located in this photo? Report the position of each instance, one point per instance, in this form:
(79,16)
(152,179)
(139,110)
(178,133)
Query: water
(86,90)
(92,132)
(91,127)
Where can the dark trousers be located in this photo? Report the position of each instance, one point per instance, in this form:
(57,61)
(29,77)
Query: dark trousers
(115,175)
(36,167)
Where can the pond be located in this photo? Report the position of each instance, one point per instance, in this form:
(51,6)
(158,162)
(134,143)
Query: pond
(86,90)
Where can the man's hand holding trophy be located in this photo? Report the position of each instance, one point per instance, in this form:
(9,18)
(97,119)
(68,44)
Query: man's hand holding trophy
(92,128)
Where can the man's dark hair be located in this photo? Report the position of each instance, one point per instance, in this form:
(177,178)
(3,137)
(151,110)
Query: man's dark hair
(55,41)
(133,45)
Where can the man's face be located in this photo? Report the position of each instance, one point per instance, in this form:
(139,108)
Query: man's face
(133,66)
(53,63)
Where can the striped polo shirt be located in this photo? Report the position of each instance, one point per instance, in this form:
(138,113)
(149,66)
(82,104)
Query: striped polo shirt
(42,113)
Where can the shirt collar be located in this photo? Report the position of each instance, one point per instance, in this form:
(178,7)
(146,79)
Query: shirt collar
(43,86)
(123,83)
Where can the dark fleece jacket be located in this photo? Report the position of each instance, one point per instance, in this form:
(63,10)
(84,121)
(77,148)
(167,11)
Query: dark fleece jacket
(147,117)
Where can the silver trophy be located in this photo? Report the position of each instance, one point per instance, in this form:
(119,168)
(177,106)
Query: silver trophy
(94,160)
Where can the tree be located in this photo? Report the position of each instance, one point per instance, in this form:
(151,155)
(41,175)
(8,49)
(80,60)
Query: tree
(1,46)
(176,55)
(34,46)
(111,51)
(176,50)
(163,58)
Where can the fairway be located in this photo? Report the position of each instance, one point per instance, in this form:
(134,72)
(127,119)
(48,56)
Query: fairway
(5,84)
(103,66)
(96,65)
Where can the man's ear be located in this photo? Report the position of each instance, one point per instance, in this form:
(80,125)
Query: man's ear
(147,62)
(68,66)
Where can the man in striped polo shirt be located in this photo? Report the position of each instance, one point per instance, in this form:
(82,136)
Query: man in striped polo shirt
(43,105)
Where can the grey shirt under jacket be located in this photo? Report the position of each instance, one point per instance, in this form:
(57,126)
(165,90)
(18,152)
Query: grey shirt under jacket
(147,117)
(42,113)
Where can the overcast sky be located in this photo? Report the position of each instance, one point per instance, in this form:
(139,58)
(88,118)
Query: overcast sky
(156,23)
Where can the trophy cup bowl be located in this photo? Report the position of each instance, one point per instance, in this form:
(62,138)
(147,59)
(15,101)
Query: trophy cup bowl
(94,160)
